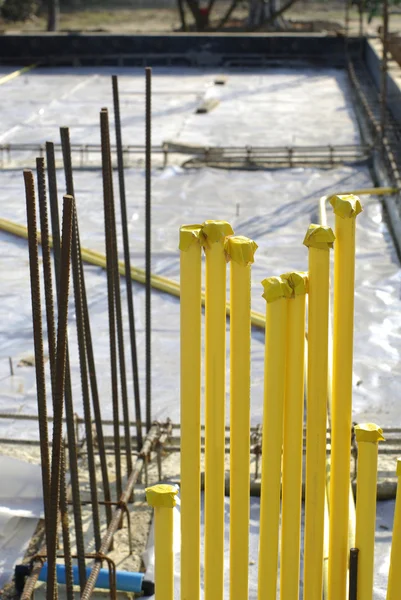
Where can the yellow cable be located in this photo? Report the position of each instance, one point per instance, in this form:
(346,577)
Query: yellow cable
(16,74)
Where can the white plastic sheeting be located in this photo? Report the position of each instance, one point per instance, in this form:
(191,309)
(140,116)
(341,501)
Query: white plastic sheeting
(269,107)
(384,525)
(275,209)
(21,505)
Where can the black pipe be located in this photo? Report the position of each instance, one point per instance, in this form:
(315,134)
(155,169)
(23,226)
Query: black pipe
(148,167)
(353,574)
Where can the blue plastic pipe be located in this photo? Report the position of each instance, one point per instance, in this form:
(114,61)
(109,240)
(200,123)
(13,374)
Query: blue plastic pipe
(125,580)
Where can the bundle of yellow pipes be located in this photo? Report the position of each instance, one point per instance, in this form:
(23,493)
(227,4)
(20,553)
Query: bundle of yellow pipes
(329,509)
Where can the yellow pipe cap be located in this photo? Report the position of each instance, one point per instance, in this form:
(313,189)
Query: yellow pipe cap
(161,495)
(398,467)
(368,432)
(188,235)
(346,206)
(275,288)
(319,236)
(240,249)
(216,231)
(298,282)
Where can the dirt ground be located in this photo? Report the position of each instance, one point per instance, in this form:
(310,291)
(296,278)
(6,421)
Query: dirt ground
(302,16)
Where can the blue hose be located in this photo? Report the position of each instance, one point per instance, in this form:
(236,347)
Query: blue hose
(125,580)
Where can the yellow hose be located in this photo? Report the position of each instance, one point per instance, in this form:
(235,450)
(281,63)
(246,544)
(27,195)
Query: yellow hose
(98,259)
(16,74)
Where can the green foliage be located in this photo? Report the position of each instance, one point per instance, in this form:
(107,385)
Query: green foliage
(18,10)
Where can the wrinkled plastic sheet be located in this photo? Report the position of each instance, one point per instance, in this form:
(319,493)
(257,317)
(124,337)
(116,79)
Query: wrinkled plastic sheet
(275,209)
(269,107)
(384,525)
(21,505)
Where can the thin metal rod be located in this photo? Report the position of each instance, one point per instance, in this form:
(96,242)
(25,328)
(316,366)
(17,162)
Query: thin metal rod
(69,580)
(117,298)
(151,438)
(81,335)
(38,340)
(148,243)
(383,90)
(69,405)
(110,294)
(51,337)
(353,574)
(68,211)
(66,149)
(127,261)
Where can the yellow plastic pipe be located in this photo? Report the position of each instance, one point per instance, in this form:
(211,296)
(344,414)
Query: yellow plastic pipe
(291,501)
(15,74)
(319,240)
(163,284)
(214,233)
(394,576)
(240,250)
(367,436)
(190,335)
(276,292)
(162,498)
(346,209)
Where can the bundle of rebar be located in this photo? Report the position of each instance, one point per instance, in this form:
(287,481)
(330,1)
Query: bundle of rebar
(66,247)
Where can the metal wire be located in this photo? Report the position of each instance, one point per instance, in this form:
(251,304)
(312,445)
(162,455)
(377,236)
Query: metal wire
(148,244)
(127,261)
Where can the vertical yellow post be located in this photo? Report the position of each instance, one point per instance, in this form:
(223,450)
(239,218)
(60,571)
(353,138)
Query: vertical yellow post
(367,435)
(240,250)
(276,292)
(394,576)
(346,209)
(214,233)
(319,240)
(162,499)
(293,439)
(190,328)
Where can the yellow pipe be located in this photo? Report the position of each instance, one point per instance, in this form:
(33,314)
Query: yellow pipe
(163,284)
(241,252)
(162,498)
(346,209)
(319,239)
(190,329)
(367,435)
(215,233)
(291,498)
(15,74)
(394,576)
(276,292)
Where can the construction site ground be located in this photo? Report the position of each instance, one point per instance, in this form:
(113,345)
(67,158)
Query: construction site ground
(269,107)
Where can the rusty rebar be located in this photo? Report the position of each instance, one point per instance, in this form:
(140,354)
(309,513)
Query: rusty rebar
(69,404)
(68,212)
(51,337)
(127,260)
(81,335)
(65,526)
(384,68)
(69,180)
(38,339)
(106,172)
(148,243)
(117,298)
(150,440)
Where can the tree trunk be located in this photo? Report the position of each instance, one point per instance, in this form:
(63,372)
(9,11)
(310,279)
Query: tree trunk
(53,15)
